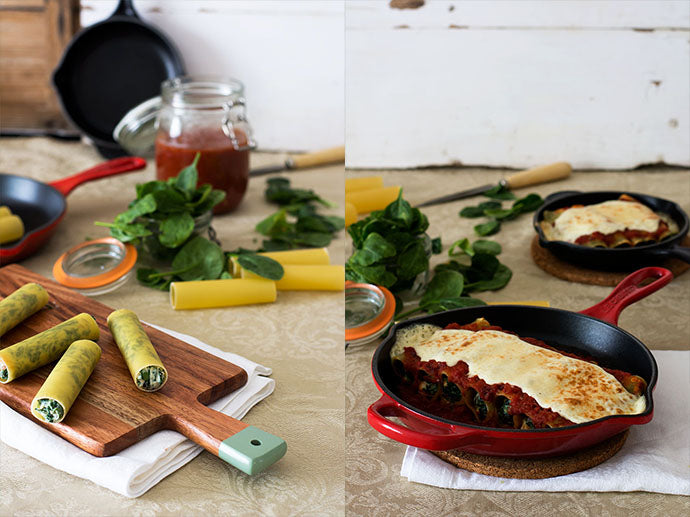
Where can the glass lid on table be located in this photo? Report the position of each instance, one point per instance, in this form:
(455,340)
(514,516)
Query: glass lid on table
(96,267)
(369,311)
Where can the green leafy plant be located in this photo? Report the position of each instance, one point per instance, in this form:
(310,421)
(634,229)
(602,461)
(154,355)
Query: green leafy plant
(479,270)
(297,224)
(496,213)
(390,247)
(161,222)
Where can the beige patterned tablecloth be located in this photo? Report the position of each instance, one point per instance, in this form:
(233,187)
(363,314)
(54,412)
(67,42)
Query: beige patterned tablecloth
(374,486)
(300,337)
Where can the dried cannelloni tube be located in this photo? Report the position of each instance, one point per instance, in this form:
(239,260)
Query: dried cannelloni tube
(21,304)
(34,352)
(143,362)
(363,183)
(59,391)
(375,199)
(204,294)
(298,277)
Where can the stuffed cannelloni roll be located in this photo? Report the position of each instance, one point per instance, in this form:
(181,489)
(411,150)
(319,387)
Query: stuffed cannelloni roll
(34,352)
(61,388)
(482,373)
(143,362)
(21,304)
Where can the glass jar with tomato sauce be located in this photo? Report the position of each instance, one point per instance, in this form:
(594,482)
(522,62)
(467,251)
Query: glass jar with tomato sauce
(207,116)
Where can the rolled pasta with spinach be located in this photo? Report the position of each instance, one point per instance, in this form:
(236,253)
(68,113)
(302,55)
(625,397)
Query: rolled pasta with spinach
(143,362)
(22,303)
(47,346)
(59,391)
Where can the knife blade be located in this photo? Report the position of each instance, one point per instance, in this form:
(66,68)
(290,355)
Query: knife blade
(303,161)
(534,176)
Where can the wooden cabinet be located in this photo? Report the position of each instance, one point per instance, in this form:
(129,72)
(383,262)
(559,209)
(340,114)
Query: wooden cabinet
(33,35)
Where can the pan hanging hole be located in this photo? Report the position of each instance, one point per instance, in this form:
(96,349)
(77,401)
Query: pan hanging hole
(255,442)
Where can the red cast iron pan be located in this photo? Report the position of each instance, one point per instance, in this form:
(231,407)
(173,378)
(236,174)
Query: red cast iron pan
(625,259)
(109,68)
(41,206)
(592,332)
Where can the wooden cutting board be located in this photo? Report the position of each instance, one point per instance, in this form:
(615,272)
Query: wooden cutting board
(111,414)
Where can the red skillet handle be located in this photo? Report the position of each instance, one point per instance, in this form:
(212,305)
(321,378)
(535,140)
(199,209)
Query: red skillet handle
(420,433)
(110,168)
(629,291)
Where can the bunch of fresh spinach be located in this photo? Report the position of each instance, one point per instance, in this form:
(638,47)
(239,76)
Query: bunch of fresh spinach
(496,213)
(297,224)
(390,247)
(160,221)
(454,280)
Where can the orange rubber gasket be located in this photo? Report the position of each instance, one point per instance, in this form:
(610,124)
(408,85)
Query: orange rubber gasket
(108,277)
(380,321)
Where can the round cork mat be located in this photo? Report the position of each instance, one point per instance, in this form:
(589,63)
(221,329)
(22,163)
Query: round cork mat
(539,468)
(574,273)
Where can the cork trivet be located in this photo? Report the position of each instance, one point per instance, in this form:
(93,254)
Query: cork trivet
(540,468)
(574,273)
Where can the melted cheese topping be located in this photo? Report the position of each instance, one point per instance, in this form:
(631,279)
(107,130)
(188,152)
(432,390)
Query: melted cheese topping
(607,217)
(575,389)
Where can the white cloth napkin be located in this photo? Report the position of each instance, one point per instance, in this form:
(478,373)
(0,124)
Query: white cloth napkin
(654,458)
(139,467)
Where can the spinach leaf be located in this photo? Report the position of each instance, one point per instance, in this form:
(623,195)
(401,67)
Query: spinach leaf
(500,278)
(260,265)
(446,304)
(502,213)
(400,211)
(149,278)
(464,246)
(445,284)
(369,274)
(199,259)
(374,249)
(187,178)
(274,224)
(412,261)
(139,207)
(489,228)
(471,212)
(175,229)
(529,203)
(488,247)
(499,192)
(483,267)
(436,245)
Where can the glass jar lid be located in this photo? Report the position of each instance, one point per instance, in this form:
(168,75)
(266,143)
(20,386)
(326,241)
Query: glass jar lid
(369,311)
(96,267)
(136,132)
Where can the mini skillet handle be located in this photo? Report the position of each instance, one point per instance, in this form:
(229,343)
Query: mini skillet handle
(420,433)
(629,291)
(243,446)
(323,157)
(536,175)
(110,168)
(125,8)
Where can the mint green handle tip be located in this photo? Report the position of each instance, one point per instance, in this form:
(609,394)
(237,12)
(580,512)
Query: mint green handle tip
(252,450)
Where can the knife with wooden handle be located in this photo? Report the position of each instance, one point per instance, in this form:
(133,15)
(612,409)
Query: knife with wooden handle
(303,161)
(534,176)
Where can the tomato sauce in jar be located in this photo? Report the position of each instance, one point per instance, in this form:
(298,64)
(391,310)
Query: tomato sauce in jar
(205,115)
(220,164)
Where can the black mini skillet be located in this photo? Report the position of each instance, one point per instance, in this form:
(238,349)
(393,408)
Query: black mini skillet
(622,258)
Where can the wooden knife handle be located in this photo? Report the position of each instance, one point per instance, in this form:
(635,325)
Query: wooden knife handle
(536,175)
(301,161)
(241,445)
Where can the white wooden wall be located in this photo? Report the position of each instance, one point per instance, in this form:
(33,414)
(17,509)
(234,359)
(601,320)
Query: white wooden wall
(289,55)
(602,84)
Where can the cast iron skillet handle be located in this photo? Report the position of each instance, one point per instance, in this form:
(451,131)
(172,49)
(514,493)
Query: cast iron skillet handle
(629,291)
(110,168)
(125,8)
(677,252)
(436,437)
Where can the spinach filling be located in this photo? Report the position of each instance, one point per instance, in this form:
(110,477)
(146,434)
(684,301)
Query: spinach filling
(51,410)
(451,392)
(503,406)
(4,373)
(480,406)
(150,378)
(428,388)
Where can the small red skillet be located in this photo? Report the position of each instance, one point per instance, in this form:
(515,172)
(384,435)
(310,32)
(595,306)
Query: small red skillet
(592,332)
(41,206)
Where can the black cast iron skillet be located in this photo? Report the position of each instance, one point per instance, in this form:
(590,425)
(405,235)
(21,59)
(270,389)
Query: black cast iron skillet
(110,67)
(616,259)
(592,332)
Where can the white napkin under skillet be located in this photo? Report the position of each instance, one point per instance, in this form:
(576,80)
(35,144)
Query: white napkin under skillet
(141,466)
(654,458)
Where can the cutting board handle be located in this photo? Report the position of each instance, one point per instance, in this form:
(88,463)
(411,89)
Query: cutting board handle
(241,445)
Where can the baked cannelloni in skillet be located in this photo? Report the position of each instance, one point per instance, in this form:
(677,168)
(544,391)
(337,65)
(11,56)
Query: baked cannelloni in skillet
(479,373)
